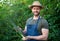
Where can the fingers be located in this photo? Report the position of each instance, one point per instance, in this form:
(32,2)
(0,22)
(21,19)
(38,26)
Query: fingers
(24,38)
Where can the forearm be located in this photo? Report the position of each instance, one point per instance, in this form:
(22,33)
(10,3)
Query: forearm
(41,37)
(25,30)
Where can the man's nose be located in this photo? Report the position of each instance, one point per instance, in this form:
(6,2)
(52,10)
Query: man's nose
(35,10)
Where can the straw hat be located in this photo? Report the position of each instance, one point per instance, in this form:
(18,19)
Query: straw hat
(36,3)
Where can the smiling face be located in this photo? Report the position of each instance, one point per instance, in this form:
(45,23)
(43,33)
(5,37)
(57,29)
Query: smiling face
(36,10)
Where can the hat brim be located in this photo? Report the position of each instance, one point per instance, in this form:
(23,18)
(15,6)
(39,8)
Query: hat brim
(31,6)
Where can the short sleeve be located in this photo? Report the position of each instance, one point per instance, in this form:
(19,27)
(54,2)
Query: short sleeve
(44,24)
(26,23)
(28,20)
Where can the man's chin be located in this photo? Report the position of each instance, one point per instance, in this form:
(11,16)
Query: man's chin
(36,14)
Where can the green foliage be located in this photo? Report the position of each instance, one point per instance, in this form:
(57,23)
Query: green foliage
(18,12)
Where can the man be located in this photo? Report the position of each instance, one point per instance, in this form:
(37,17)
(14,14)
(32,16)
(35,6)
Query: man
(36,28)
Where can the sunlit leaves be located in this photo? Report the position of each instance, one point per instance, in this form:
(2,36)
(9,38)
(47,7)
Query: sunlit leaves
(18,11)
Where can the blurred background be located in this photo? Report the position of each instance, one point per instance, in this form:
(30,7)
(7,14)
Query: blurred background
(16,12)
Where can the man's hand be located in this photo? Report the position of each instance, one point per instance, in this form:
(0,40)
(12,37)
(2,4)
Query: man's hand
(24,38)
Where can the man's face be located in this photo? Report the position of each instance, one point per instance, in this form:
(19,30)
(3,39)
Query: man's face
(36,10)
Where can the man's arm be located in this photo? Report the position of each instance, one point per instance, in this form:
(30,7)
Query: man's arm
(24,31)
(44,35)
